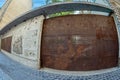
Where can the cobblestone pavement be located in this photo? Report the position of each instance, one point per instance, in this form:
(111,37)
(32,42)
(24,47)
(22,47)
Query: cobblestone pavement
(17,71)
(4,76)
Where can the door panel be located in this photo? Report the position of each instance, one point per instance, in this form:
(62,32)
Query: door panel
(79,42)
(6,44)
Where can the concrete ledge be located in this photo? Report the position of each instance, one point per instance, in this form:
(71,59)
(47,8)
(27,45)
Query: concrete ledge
(79,73)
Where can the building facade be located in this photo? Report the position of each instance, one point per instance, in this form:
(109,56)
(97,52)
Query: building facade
(89,40)
(13,9)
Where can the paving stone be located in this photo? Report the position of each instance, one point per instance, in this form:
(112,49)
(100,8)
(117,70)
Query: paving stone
(16,71)
(4,76)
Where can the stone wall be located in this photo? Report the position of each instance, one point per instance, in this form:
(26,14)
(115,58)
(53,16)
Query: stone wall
(115,4)
(4,7)
(14,9)
(26,41)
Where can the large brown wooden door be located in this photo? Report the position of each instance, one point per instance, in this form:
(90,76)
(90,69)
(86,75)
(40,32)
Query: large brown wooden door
(79,42)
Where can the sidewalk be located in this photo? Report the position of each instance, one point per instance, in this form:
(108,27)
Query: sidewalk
(17,71)
(4,76)
(11,70)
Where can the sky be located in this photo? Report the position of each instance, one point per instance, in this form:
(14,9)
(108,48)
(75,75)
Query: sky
(1,2)
(36,3)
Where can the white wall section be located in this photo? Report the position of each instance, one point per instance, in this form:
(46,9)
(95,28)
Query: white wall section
(25,41)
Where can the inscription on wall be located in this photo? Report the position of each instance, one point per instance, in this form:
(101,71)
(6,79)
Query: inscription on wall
(17,45)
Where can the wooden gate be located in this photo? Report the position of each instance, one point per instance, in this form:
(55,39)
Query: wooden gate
(79,42)
(6,44)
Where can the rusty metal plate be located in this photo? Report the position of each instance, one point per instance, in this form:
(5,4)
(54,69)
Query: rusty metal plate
(6,44)
(79,42)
